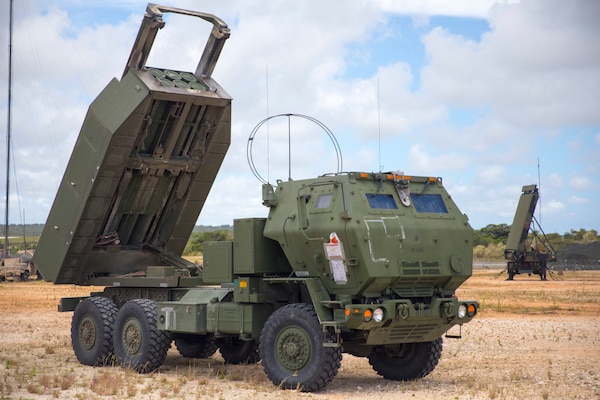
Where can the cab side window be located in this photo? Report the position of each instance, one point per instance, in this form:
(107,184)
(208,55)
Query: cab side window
(385,201)
(429,203)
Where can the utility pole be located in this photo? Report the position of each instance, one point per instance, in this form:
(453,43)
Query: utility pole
(8,128)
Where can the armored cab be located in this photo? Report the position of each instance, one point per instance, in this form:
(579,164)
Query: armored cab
(376,240)
(396,232)
(144,162)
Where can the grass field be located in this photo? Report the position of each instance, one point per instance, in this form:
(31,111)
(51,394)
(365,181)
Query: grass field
(531,339)
(572,293)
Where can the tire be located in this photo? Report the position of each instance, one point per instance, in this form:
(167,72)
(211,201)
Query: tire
(24,276)
(292,351)
(407,361)
(511,272)
(92,330)
(237,351)
(138,343)
(543,271)
(195,346)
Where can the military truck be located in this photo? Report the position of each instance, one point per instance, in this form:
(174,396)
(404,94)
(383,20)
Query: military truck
(350,262)
(16,267)
(524,255)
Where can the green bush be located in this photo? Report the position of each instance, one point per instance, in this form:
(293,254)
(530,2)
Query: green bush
(195,244)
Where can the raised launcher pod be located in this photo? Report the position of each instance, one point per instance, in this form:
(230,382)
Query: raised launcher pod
(147,154)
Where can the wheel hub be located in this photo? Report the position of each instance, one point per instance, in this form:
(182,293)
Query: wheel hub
(87,333)
(293,348)
(132,336)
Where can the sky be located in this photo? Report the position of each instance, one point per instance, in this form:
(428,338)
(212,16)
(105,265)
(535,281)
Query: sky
(490,95)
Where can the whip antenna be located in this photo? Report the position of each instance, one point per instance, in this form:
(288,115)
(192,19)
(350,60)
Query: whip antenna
(539,189)
(379,126)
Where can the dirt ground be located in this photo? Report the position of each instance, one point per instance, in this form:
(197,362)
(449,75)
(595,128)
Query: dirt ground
(530,340)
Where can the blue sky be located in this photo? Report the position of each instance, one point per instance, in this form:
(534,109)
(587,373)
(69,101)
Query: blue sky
(474,92)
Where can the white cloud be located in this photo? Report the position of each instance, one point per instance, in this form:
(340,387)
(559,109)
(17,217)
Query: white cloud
(230,204)
(534,68)
(580,183)
(425,163)
(578,200)
(379,106)
(462,8)
(554,181)
(493,173)
(479,112)
(553,206)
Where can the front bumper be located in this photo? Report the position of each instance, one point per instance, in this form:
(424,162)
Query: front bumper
(402,321)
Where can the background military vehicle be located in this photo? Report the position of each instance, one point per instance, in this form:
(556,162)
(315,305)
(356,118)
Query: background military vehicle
(355,262)
(523,255)
(16,267)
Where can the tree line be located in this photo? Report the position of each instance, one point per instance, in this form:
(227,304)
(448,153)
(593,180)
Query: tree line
(488,242)
(494,234)
(195,244)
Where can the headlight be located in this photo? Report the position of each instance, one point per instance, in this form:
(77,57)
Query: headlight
(378,314)
(462,311)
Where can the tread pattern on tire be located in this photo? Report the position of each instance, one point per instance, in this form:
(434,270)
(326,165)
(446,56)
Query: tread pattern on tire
(108,313)
(157,342)
(195,346)
(237,351)
(419,366)
(330,363)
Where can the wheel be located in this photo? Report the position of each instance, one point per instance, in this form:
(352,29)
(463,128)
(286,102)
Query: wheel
(543,270)
(511,272)
(406,361)
(92,330)
(237,351)
(195,346)
(292,351)
(24,276)
(138,343)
